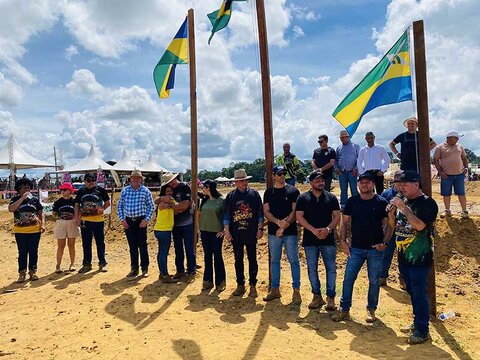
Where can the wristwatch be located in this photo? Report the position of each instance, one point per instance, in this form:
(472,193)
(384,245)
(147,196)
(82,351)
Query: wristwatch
(329,230)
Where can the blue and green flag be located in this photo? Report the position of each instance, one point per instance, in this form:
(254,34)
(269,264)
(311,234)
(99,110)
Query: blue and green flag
(388,82)
(176,53)
(221,17)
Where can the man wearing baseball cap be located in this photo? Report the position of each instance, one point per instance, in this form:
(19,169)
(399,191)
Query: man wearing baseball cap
(318,212)
(366,214)
(414,224)
(451,162)
(279,204)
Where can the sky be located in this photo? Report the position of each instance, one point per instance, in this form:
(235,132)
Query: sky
(77,73)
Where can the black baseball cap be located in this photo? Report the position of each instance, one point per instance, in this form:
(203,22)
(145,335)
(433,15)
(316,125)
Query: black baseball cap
(277,168)
(366,175)
(89,176)
(409,176)
(315,174)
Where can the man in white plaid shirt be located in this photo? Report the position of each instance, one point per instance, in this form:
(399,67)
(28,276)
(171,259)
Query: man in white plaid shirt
(135,208)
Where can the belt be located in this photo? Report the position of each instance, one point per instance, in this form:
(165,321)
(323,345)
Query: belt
(135,218)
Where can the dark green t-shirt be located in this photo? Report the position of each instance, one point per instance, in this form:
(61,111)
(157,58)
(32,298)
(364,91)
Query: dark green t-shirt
(211,215)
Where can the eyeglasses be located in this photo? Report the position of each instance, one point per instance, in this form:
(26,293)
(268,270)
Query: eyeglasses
(90,180)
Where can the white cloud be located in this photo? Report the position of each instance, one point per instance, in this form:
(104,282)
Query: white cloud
(313,80)
(304,13)
(70,52)
(298,32)
(10,93)
(84,83)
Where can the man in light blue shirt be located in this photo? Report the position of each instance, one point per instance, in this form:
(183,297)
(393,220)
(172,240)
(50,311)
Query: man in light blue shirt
(135,208)
(346,167)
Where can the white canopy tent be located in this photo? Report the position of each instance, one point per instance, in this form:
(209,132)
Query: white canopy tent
(222,179)
(13,157)
(90,163)
(152,166)
(125,164)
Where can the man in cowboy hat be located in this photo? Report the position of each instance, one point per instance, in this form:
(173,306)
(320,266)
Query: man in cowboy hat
(452,164)
(408,141)
(183,223)
(243,226)
(135,208)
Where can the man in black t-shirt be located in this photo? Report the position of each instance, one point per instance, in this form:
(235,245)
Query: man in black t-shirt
(279,209)
(90,202)
(243,226)
(414,224)
(368,218)
(318,212)
(324,159)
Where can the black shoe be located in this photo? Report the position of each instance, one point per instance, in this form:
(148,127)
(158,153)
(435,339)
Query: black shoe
(84,269)
(178,275)
(132,274)
(103,267)
(417,338)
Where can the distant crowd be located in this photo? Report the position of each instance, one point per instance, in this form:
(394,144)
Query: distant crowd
(380,221)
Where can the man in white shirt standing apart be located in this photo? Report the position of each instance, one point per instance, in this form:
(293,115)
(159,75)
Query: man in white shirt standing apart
(374,159)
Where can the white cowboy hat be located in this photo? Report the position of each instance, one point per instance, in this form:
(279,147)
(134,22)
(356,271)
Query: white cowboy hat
(240,174)
(413,118)
(168,177)
(136,173)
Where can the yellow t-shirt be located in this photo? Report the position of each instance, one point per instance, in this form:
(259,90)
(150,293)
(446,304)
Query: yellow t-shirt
(164,220)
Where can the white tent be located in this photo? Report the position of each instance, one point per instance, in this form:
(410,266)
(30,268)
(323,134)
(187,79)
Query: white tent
(13,157)
(90,163)
(125,164)
(222,179)
(152,166)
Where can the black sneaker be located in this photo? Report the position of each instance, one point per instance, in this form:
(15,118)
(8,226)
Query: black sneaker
(84,269)
(103,267)
(178,275)
(132,274)
(417,338)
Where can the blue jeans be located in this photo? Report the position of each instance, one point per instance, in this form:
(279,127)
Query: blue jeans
(27,245)
(89,230)
(212,249)
(329,254)
(354,264)
(164,240)
(416,279)
(455,181)
(387,257)
(290,181)
(183,236)
(291,246)
(345,178)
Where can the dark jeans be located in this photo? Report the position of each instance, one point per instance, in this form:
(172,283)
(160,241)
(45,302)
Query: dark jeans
(252,261)
(27,245)
(379,181)
(328,183)
(164,240)
(183,236)
(416,280)
(89,230)
(137,240)
(212,248)
(387,257)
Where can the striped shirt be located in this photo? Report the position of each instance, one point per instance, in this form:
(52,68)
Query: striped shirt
(135,203)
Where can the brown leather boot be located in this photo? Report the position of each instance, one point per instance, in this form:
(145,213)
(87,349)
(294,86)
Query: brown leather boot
(341,315)
(296,297)
(330,304)
(21,276)
(253,292)
(239,291)
(316,302)
(370,318)
(273,294)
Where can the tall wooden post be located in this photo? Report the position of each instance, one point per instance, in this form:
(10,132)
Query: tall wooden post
(267,103)
(266,90)
(193,118)
(424,134)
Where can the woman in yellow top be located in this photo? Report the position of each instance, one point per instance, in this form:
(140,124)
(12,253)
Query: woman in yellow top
(163,232)
(28,225)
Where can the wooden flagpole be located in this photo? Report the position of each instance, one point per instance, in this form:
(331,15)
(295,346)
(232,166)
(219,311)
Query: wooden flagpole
(424,135)
(267,103)
(193,119)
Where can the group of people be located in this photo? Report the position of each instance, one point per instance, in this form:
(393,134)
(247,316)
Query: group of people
(377,219)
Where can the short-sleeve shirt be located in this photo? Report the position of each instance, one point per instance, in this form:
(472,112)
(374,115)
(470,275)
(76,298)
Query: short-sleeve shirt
(181,193)
(243,211)
(65,208)
(91,201)
(367,220)
(319,213)
(409,150)
(211,215)
(416,247)
(26,219)
(280,201)
(450,158)
(322,157)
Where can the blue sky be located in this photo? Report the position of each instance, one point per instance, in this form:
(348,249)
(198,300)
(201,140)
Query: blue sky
(76,73)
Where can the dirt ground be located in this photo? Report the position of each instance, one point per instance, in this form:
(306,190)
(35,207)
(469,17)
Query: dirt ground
(104,316)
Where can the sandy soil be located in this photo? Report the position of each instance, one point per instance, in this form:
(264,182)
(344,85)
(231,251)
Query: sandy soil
(104,316)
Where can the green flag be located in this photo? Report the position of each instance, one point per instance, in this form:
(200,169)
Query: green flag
(221,17)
